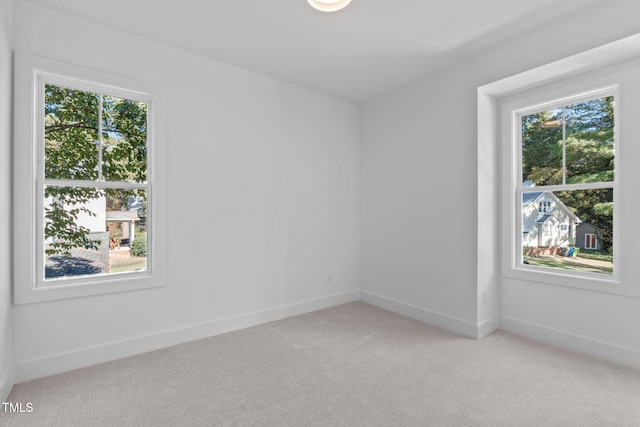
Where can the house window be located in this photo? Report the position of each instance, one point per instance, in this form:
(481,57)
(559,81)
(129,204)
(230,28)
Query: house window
(88,149)
(563,149)
(590,241)
(544,206)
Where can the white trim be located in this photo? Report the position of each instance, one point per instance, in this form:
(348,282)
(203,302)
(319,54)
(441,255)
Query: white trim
(488,175)
(55,364)
(611,53)
(579,343)
(41,79)
(6,384)
(487,216)
(434,318)
(488,327)
(512,110)
(28,286)
(97,184)
(614,74)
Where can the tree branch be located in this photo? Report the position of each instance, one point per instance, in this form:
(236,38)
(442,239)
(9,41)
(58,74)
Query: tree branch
(49,129)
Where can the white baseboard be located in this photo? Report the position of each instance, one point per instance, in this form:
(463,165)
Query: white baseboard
(453,324)
(488,327)
(51,365)
(6,384)
(582,344)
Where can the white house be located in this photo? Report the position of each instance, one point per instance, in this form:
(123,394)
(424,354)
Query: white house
(126,221)
(546,221)
(96,223)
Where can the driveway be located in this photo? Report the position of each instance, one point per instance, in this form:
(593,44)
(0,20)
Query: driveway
(82,262)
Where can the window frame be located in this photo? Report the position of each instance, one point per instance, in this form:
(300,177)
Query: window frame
(511,109)
(544,206)
(590,237)
(31,74)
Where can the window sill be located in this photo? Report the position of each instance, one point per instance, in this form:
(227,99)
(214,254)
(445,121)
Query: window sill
(27,287)
(603,283)
(86,286)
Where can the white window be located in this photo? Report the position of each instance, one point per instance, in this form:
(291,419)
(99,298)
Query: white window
(565,146)
(88,195)
(544,206)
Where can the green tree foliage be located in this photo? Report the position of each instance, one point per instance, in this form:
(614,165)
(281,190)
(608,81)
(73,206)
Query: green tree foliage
(139,245)
(60,220)
(89,137)
(542,148)
(586,129)
(594,207)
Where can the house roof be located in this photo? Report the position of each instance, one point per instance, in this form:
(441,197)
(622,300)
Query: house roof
(122,216)
(542,219)
(588,226)
(530,197)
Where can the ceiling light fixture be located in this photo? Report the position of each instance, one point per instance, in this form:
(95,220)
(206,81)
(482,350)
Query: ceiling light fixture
(329,5)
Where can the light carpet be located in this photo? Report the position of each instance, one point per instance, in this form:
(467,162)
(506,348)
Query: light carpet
(351,365)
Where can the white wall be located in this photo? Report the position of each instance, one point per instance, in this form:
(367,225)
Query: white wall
(6,59)
(263,203)
(276,194)
(419,201)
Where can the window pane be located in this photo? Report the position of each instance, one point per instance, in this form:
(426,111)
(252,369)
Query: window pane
(585,130)
(93,231)
(71,133)
(575,232)
(590,141)
(124,124)
(542,147)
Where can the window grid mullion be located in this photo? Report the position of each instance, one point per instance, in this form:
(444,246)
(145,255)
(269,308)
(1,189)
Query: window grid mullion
(571,187)
(564,146)
(100,108)
(96,184)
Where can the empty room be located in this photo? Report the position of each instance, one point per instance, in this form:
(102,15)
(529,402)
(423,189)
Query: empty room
(319,213)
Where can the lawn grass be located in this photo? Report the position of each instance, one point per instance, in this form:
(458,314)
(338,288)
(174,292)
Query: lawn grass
(568,263)
(125,264)
(598,256)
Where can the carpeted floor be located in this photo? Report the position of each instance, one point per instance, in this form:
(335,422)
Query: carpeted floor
(352,365)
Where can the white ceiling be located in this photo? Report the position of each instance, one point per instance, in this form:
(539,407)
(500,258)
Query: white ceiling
(369,48)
